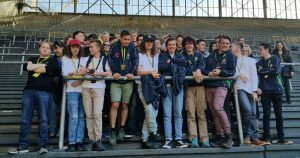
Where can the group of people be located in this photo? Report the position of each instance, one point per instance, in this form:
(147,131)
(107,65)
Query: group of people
(163,100)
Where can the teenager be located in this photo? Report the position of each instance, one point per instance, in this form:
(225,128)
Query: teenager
(37,95)
(93,94)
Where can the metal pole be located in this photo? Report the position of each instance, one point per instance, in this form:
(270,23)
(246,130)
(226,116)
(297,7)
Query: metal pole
(62,118)
(238,114)
(3,51)
(21,67)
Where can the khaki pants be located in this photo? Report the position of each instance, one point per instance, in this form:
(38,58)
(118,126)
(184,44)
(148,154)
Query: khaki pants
(93,105)
(195,106)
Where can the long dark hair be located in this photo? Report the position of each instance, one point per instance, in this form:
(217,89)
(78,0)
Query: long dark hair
(69,53)
(284,49)
(143,49)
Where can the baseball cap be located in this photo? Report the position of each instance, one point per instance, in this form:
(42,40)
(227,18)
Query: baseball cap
(149,38)
(74,42)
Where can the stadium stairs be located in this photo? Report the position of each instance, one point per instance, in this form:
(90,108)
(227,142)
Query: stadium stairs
(12,84)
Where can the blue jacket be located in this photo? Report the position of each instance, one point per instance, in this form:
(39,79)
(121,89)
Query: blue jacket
(269,75)
(195,61)
(152,89)
(175,68)
(226,63)
(115,59)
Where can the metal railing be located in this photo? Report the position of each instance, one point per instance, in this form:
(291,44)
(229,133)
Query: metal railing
(63,103)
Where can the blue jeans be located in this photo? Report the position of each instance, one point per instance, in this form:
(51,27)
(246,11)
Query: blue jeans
(76,117)
(175,103)
(248,113)
(40,99)
(54,109)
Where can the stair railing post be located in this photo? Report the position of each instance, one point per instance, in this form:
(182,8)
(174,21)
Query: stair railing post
(62,118)
(238,113)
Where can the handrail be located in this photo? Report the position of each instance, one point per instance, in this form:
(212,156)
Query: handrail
(63,103)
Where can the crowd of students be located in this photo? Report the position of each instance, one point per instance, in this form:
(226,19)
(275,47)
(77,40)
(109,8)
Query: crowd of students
(160,105)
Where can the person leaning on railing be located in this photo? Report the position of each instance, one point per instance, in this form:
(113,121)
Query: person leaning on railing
(172,63)
(70,67)
(195,102)
(93,94)
(37,94)
(220,63)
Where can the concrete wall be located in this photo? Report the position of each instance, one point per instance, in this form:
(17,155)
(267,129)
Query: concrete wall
(8,8)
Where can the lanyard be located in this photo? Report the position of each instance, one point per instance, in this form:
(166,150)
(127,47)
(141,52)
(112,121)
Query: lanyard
(38,61)
(123,50)
(75,64)
(192,62)
(151,62)
(218,62)
(281,58)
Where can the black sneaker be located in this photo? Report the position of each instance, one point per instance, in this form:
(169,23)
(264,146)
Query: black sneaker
(180,144)
(121,134)
(227,141)
(150,143)
(71,148)
(218,141)
(19,150)
(112,138)
(99,145)
(90,146)
(79,146)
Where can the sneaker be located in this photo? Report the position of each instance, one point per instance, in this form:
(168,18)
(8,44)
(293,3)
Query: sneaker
(194,143)
(247,141)
(121,134)
(218,141)
(286,142)
(227,141)
(258,142)
(71,148)
(79,146)
(99,145)
(205,144)
(150,143)
(43,150)
(268,143)
(112,138)
(90,146)
(129,134)
(180,144)
(167,145)
(18,150)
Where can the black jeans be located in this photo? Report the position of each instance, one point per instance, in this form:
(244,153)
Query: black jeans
(266,100)
(287,88)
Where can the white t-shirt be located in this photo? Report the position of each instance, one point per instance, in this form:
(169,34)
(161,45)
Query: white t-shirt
(70,65)
(93,65)
(147,64)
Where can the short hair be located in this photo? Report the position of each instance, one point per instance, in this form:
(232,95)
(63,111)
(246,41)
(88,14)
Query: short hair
(188,39)
(138,36)
(169,40)
(98,43)
(42,42)
(240,38)
(239,45)
(224,37)
(266,46)
(76,33)
(92,37)
(199,41)
(57,44)
(178,36)
(124,33)
(211,45)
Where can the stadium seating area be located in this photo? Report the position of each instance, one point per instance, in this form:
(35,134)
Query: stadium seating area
(20,35)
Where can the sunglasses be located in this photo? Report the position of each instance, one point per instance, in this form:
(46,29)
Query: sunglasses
(106,45)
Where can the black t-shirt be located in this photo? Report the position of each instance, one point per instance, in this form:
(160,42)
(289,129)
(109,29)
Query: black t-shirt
(44,81)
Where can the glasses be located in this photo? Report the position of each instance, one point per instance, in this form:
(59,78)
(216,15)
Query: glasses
(106,45)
